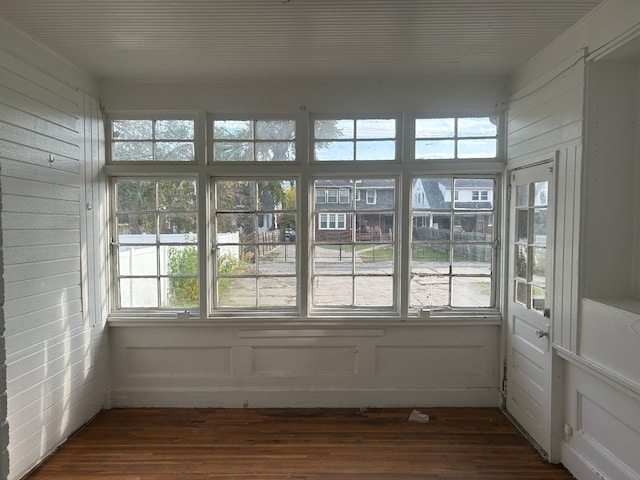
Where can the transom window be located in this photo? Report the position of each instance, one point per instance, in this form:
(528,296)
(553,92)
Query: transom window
(354,139)
(254,140)
(152,140)
(456,138)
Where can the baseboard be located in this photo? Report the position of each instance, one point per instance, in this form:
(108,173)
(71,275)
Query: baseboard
(577,464)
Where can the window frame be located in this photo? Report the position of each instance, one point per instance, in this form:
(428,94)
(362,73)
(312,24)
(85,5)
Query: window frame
(305,169)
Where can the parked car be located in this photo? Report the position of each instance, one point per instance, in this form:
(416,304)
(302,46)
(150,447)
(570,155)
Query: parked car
(289,235)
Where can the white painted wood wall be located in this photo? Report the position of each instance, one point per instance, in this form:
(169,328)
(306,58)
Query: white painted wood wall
(310,362)
(55,337)
(555,100)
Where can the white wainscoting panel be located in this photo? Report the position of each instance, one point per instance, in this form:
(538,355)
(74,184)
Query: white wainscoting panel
(222,366)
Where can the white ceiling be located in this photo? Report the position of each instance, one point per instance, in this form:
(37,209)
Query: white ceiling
(228,40)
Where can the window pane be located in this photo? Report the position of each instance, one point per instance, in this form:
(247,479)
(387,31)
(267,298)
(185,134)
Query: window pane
(333,291)
(175,151)
(435,127)
(541,190)
(374,291)
(275,130)
(233,152)
(138,293)
(334,151)
(179,260)
(473,227)
(435,149)
(175,129)
(472,259)
(477,127)
(137,260)
(236,228)
(522,262)
(540,226)
(233,130)
(376,150)
(522,225)
(333,259)
(237,292)
(132,129)
(333,129)
(374,259)
(177,228)
(277,259)
(277,292)
(275,151)
(521,293)
(430,258)
(522,195)
(177,195)
(539,258)
(135,195)
(428,291)
(376,128)
(277,195)
(132,151)
(477,148)
(179,293)
(136,228)
(235,195)
(471,292)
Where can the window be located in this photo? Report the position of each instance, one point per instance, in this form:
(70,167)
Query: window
(456,138)
(255,264)
(370,247)
(371,196)
(452,246)
(155,246)
(354,263)
(254,140)
(354,139)
(152,140)
(332,221)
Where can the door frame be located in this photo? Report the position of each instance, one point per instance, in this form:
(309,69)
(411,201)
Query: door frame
(554,392)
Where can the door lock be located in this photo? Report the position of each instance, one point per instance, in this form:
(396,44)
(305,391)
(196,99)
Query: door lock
(547,313)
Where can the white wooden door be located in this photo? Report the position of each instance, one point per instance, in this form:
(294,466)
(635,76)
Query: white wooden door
(530,276)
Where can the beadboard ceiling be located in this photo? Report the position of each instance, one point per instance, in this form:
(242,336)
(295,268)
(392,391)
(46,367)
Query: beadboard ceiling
(232,40)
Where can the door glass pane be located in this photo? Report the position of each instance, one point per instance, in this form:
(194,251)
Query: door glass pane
(522,235)
(521,261)
(522,195)
(521,293)
(540,226)
(539,259)
(541,193)
(538,299)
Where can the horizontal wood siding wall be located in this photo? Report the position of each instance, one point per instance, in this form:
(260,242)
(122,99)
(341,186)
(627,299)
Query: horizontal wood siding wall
(56,362)
(545,119)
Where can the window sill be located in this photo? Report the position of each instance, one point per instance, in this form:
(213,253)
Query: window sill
(441,319)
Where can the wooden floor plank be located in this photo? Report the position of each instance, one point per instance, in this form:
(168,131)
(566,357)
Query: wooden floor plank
(297,444)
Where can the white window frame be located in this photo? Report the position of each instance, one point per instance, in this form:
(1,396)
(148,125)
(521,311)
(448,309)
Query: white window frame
(344,195)
(372,196)
(332,195)
(332,221)
(305,169)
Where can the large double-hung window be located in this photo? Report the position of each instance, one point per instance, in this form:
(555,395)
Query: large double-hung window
(296,216)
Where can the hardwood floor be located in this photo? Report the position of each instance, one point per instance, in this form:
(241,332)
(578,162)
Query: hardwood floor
(297,444)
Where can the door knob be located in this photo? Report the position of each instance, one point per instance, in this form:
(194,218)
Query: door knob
(541,333)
